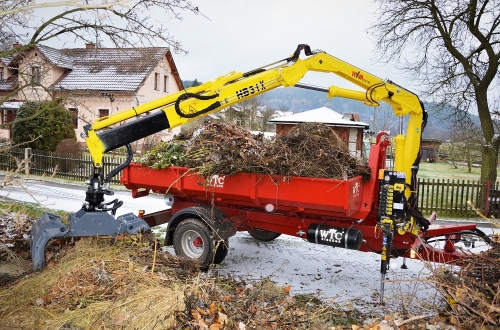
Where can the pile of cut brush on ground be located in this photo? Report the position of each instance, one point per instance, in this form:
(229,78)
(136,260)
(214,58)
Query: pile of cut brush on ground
(127,282)
(473,290)
(306,150)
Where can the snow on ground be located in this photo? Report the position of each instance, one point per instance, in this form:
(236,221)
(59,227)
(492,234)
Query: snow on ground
(347,277)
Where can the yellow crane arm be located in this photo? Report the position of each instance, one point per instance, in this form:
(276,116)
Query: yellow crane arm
(186,105)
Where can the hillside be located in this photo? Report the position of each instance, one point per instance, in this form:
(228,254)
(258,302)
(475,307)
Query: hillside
(298,100)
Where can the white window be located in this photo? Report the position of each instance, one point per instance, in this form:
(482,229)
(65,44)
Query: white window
(36,75)
(103,113)
(157,82)
(165,84)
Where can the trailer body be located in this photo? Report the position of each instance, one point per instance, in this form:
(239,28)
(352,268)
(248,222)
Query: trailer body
(337,212)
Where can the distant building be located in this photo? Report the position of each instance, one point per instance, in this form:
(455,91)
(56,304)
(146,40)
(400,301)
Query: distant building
(94,82)
(430,149)
(346,126)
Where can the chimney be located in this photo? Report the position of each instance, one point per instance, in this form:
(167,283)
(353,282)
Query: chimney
(89,45)
(16,45)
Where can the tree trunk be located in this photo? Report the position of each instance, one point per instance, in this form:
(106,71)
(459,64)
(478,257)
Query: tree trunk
(490,147)
(489,166)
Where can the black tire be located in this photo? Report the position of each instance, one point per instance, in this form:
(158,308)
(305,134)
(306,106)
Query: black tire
(193,239)
(263,235)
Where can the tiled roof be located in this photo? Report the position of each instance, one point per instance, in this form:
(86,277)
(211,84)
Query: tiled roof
(6,60)
(9,84)
(56,56)
(321,115)
(110,69)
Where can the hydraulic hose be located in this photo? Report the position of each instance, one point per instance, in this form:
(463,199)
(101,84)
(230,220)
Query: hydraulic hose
(115,171)
(186,96)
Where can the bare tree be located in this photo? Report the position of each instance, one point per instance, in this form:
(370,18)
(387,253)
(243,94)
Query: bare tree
(267,113)
(464,145)
(453,50)
(384,119)
(114,23)
(124,23)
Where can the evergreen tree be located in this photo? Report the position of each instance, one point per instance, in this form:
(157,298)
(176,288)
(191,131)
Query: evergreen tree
(42,125)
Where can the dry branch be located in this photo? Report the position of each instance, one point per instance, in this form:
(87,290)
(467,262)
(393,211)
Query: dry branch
(307,150)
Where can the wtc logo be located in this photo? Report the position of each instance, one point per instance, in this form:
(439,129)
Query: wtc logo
(217,181)
(355,189)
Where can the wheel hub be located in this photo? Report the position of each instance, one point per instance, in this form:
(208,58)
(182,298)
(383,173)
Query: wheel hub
(192,244)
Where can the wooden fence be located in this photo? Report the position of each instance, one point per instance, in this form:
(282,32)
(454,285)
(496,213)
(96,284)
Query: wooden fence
(446,197)
(65,166)
(453,198)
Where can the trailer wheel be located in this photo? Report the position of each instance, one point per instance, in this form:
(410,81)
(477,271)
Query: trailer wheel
(194,240)
(263,235)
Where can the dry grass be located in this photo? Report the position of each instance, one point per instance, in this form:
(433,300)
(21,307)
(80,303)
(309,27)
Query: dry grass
(95,285)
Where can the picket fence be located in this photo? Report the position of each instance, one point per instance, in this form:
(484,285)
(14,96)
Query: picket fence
(53,164)
(450,198)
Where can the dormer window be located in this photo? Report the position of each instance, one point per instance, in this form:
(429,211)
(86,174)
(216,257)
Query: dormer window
(2,77)
(36,75)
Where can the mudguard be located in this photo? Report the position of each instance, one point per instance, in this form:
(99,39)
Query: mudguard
(81,224)
(212,216)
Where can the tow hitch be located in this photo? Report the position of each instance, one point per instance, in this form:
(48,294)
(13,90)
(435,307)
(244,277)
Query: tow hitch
(95,218)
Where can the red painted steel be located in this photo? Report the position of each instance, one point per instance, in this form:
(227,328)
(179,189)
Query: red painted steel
(290,205)
(341,198)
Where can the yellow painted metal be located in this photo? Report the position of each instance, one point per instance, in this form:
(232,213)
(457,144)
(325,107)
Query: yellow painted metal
(236,87)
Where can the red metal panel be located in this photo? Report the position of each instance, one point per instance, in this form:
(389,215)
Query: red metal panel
(342,197)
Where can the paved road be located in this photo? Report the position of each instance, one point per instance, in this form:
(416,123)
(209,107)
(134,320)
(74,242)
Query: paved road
(70,197)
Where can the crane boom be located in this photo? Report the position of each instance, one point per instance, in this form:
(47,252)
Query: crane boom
(397,209)
(191,103)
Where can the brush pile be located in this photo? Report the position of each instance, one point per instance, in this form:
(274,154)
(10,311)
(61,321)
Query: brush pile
(473,290)
(307,150)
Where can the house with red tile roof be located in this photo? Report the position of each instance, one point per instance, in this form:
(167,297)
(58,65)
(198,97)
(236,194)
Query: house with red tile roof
(92,81)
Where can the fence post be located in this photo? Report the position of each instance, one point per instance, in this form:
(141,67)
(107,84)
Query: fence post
(487,198)
(27,156)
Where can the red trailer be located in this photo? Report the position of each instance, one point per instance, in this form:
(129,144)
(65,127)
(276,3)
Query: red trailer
(341,213)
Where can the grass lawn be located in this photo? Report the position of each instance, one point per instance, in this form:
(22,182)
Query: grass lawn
(447,171)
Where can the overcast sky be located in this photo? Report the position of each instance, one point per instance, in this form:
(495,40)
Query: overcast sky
(243,35)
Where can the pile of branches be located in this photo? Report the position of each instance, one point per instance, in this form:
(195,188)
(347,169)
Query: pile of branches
(14,233)
(314,150)
(473,290)
(218,148)
(306,150)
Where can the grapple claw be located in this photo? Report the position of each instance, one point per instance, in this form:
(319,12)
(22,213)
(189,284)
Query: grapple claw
(82,224)
(45,228)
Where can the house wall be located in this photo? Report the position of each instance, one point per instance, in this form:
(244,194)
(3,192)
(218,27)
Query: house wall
(37,93)
(88,103)
(147,93)
(7,115)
